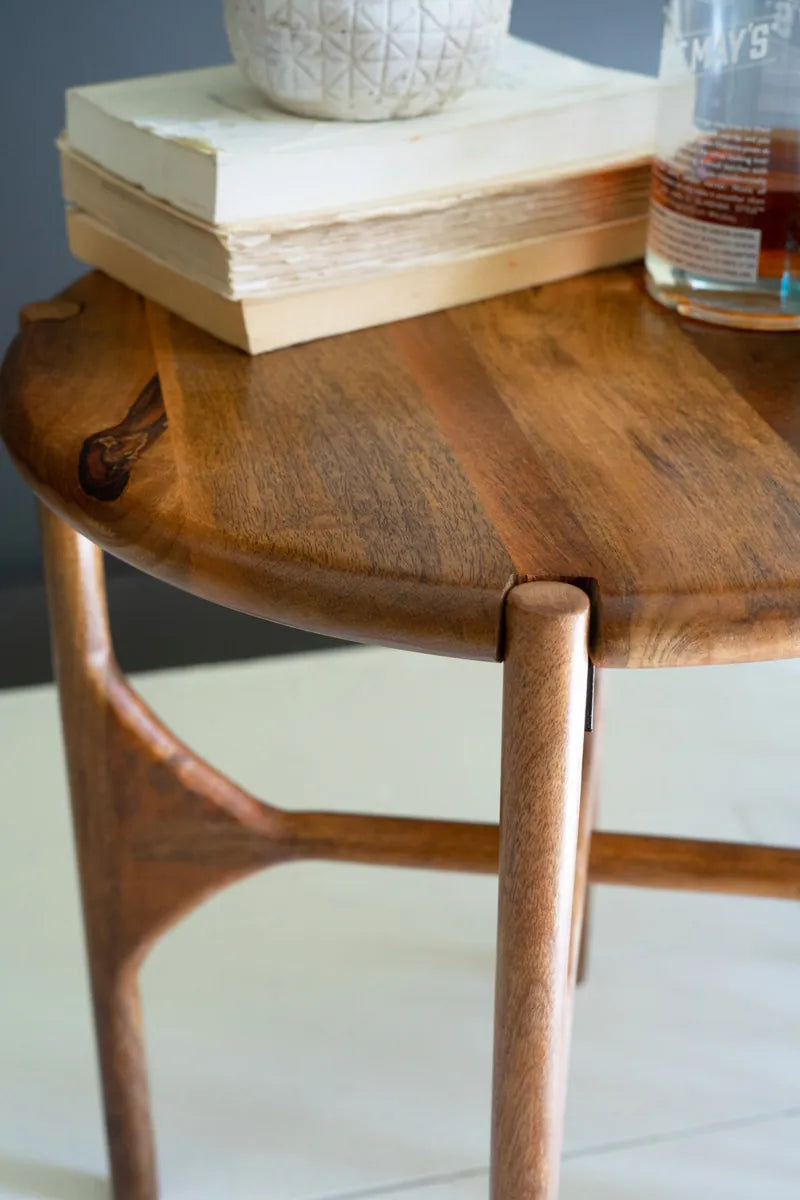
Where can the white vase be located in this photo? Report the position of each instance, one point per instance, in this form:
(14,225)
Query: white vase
(364,60)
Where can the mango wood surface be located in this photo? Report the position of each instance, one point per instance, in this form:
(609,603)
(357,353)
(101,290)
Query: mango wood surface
(391,485)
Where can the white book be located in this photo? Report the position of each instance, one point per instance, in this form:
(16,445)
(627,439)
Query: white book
(209,145)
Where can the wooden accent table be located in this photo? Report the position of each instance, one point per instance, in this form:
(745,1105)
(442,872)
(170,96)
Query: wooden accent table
(564,479)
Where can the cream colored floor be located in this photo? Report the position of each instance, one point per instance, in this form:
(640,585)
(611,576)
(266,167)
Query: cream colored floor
(325,1031)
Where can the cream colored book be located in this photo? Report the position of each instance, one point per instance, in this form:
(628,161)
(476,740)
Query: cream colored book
(267,323)
(209,145)
(260,260)
(269,229)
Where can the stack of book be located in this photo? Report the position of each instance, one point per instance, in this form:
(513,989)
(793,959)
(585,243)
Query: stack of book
(268,229)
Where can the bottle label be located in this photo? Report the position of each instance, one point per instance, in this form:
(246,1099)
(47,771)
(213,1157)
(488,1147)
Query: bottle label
(725,252)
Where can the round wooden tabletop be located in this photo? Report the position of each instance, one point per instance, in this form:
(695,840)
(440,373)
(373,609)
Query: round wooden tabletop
(391,485)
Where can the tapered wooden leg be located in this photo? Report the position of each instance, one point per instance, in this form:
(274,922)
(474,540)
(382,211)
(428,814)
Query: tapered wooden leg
(123,1072)
(156,830)
(102,787)
(543,718)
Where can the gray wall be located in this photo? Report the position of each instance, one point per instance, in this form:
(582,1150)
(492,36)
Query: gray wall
(47,46)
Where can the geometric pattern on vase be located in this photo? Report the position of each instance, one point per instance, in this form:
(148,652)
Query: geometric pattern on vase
(364,59)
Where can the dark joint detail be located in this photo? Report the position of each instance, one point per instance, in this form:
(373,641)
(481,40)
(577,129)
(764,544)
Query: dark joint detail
(107,457)
(590,691)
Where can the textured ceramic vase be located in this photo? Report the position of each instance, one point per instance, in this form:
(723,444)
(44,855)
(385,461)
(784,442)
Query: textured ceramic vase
(364,60)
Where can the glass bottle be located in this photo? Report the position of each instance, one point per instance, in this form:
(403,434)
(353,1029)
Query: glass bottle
(724,236)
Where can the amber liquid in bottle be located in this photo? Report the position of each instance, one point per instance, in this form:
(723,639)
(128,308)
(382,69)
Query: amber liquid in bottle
(725,228)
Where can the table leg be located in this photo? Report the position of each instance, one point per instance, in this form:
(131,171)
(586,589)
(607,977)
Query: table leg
(544,698)
(105,781)
(156,831)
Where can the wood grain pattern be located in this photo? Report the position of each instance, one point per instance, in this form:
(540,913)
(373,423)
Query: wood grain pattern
(391,485)
(405,485)
(323,497)
(544,699)
(680,864)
